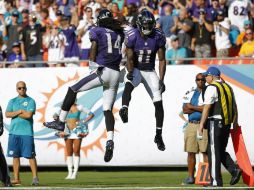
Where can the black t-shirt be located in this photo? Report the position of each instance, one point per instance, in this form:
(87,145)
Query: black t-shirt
(202,35)
(13,36)
(32,39)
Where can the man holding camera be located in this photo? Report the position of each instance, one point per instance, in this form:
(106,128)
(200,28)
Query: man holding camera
(221,30)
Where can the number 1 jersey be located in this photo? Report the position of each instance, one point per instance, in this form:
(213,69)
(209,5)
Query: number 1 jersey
(145,48)
(109,47)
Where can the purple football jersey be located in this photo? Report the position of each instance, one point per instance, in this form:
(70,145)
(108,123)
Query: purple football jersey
(71,46)
(109,47)
(145,49)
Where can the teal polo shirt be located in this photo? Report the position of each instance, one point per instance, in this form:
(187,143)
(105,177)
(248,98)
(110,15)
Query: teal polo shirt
(20,126)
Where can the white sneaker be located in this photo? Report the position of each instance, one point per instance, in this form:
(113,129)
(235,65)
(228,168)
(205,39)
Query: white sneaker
(74,175)
(69,176)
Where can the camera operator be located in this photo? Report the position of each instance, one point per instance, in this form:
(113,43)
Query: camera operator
(221,29)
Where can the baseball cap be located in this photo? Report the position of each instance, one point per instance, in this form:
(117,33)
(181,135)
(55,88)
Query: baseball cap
(59,13)
(212,71)
(173,37)
(220,12)
(26,11)
(15,13)
(15,44)
(247,22)
(201,10)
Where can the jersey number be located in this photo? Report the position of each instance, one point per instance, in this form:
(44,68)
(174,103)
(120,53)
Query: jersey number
(239,11)
(144,56)
(33,37)
(117,44)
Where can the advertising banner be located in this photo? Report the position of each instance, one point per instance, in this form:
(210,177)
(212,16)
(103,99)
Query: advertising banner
(134,141)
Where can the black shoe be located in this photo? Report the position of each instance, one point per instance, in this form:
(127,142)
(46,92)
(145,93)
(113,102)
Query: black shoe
(160,144)
(188,181)
(109,151)
(8,185)
(236,176)
(123,112)
(57,125)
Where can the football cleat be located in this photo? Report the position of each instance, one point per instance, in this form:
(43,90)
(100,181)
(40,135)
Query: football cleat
(109,151)
(160,144)
(123,112)
(57,125)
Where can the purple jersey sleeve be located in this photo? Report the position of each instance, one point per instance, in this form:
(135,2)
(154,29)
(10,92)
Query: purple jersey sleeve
(160,38)
(93,34)
(130,38)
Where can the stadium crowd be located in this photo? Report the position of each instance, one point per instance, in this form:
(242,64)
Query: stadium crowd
(53,30)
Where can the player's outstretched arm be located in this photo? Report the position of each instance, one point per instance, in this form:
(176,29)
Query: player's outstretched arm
(93,51)
(162,63)
(130,62)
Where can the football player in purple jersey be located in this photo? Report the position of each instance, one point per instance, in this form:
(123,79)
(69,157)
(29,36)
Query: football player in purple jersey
(142,45)
(106,39)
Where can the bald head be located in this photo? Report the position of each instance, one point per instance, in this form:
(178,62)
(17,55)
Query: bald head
(21,88)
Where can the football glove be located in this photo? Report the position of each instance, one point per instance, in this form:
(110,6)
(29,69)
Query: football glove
(162,86)
(130,75)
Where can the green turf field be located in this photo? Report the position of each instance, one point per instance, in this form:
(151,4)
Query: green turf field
(114,180)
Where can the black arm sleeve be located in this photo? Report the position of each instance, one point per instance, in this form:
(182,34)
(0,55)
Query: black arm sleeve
(1,122)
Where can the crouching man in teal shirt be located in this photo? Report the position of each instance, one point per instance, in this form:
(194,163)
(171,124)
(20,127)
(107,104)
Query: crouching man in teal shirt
(21,141)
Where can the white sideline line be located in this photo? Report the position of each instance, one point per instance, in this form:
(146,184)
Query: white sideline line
(116,188)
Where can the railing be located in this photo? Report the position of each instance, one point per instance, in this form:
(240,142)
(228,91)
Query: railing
(197,61)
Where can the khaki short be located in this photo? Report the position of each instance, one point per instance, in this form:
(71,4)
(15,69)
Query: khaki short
(191,143)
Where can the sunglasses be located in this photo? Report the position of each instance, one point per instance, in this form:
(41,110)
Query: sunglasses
(248,33)
(197,79)
(20,88)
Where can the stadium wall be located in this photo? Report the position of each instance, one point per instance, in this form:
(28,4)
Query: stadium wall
(134,144)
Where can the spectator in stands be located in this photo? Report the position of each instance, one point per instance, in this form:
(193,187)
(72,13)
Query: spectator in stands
(117,14)
(201,41)
(77,129)
(25,17)
(184,27)
(221,29)
(71,49)
(166,23)
(213,10)
(146,4)
(9,6)
(120,4)
(52,11)
(238,12)
(94,5)
(54,42)
(241,38)
(176,53)
(36,10)
(15,57)
(3,53)
(21,141)
(247,49)
(12,31)
(59,15)
(199,7)
(65,7)
(31,38)
(132,13)
(83,32)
